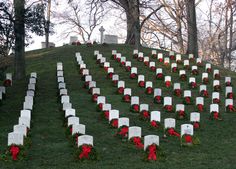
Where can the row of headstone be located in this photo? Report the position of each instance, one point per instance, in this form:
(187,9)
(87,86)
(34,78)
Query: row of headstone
(2,93)
(73,122)
(121,122)
(20,131)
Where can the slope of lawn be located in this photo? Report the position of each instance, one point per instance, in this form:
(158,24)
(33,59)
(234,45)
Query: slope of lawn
(51,149)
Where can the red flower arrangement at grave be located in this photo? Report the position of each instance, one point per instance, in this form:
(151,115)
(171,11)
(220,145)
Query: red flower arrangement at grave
(177,92)
(146,63)
(171,132)
(217,88)
(114,123)
(86,152)
(135,56)
(135,108)
(205,80)
(204,93)
(187,140)
(144,115)
(196,125)
(153,68)
(167,64)
(14,150)
(186,67)
(154,56)
(215,115)
(98,61)
(168,108)
(167,84)
(155,124)
(126,98)
(140,59)
(180,114)
(160,76)
(115,82)
(187,100)
(230,95)
(113,56)
(141,84)
(200,107)
(151,152)
(208,70)
(194,72)
(99,107)
(172,57)
(217,76)
(86,84)
(118,59)
(128,68)
(193,85)
(133,76)
(230,109)
(179,61)
(105,114)
(228,83)
(95,97)
(158,99)
(160,60)
(106,68)
(200,64)
(174,69)
(120,90)
(137,142)
(109,75)
(191,59)
(216,100)
(7,83)
(123,63)
(122,132)
(183,77)
(149,90)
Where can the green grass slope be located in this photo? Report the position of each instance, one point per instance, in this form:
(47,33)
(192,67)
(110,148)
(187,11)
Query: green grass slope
(51,149)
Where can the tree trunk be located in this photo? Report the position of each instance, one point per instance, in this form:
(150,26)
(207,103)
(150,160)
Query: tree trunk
(133,23)
(192,28)
(47,26)
(19,30)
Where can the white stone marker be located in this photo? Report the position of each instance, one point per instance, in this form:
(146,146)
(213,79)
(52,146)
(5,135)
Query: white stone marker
(85,139)
(134,131)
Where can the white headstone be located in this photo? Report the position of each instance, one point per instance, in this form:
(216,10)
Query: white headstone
(127,91)
(121,84)
(113,52)
(227,79)
(33,75)
(146,59)
(158,70)
(186,129)
(215,95)
(202,87)
(28,105)
(78,128)
(9,76)
(187,93)
(69,112)
(148,84)
(156,116)
(101,99)
(154,52)
(88,78)
(92,84)
(177,86)
(178,57)
(173,65)
(228,89)
(85,139)
(208,65)
(123,59)
(169,123)
(152,64)
(157,92)
(216,82)
(95,91)
(149,140)
(214,107)
(110,70)
(31,86)
(128,63)
(228,102)
(216,71)
(167,101)
(60,79)
(192,79)
(182,72)
(3,89)
(179,107)
(134,132)
(144,107)
(141,78)
(25,113)
(115,77)
(24,121)
(82,66)
(85,72)
(194,67)
(167,78)
(32,80)
(61,85)
(106,107)
(199,100)
(124,121)
(113,114)
(166,60)
(134,100)
(63,92)
(59,73)
(204,75)
(160,56)
(134,70)
(22,129)
(15,138)
(66,106)
(194,117)
(73,120)
(65,99)
(186,62)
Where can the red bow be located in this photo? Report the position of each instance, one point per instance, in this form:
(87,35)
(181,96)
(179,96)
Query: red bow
(106,68)
(177,92)
(146,63)
(158,99)
(106,114)
(14,152)
(188,138)
(181,113)
(94,97)
(230,95)
(126,98)
(137,142)
(152,152)
(172,132)
(205,80)
(183,77)
(128,68)
(133,75)
(168,83)
(114,123)
(110,75)
(174,69)
(187,100)
(154,124)
(168,107)
(160,60)
(172,57)
(120,90)
(216,115)
(7,83)
(159,76)
(100,105)
(196,125)
(228,83)
(85,151)
(216,100)
(124,131)
(135,107)
(145,114)
(208,70)
(153,68)
(118,59)
(115,82)
(141,84)
(200,107)
(154,55)
(149,90)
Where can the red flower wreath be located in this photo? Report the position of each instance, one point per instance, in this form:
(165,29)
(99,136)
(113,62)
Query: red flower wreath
(153,68)
(200,107)
(141,84)
(149,90)
(118,59)
(135,108)
(217,88)
(183,77)
(7,83)
(145,115)
(133,76)
(230,109)
(168,83)
(230,95)
(205,80)
(172,132)
(187,100)
(215,115)
(99,106)
(196,125)
(159,76)
(135,56)
(95,97)
(180,114)
(179,61)
(228,83)
(217,76)
(109,75)
(193,85)
(168,108)
(123,63)
(204,93)
(208,70)
(123,132)
(155,124)
(106,114)
(186,67)
(146,63)
(187,139)
(158,99)
(174,69)
(128,68)
(120,90)
(177,92)
(154,56)
(114,123)
(195,72)
(172,57)
(126,98)
(216,100)
(115,82)
(14,150)
(160,60)
(137,141)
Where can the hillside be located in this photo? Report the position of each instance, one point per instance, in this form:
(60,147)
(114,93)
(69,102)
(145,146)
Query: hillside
(50,147)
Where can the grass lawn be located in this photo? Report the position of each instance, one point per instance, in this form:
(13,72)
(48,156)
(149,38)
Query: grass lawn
(51,149)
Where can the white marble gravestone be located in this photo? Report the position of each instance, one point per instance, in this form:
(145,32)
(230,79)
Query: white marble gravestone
(127,91)
(148,84)
(69,112)
(24,121)
(60,79)
(123,121)
(66,106)
(144,107)
(187,93)
(106,107)
(194,117)
(158,70)
(28,105)
(121,84)
(149,140)
(59,73)
(187,129)
(33,75)
(160,56)
(156,116)
(141,78)
(31,86)
(178,57)
(22,129)
(25,113)
(15,138)
(115,77)
(134,70)
(214,107)
(134,131)
(186,62)
(179,107)
(169,123)
(134,100)
(78,128)
(167,78)
(177,86)
(85,139)
(128,63)
(65,99)
(73,120)
(167,101)
(157,92)
(63,92)
(113,114)
(96,91)
(228,89)
(101,99)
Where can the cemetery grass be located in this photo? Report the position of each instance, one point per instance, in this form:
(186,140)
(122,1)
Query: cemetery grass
(51,149)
